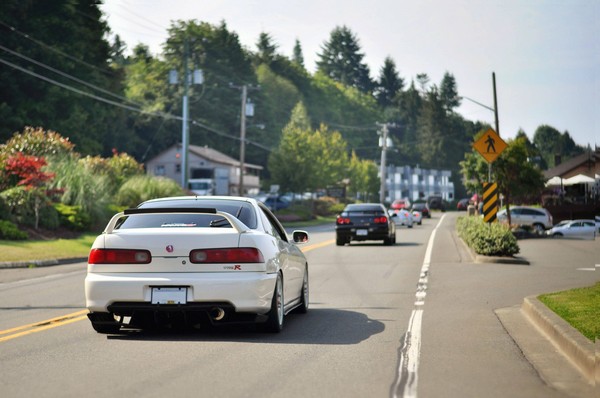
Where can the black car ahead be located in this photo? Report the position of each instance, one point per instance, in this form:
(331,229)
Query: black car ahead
(366,221)
(423,208)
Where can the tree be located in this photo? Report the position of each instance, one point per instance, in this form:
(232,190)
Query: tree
(298,57)
(341,60)
(364,179)
(305,159)
(555,147)
(266,48)
(389,84)
(68,36)
(449,93)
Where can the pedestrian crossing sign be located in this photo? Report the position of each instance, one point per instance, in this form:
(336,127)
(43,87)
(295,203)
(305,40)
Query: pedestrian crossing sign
(490,145)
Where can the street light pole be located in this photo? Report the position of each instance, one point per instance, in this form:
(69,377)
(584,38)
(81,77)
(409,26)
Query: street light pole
(384,135)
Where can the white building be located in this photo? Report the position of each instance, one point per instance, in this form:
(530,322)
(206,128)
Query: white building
(201,160)
(405,182)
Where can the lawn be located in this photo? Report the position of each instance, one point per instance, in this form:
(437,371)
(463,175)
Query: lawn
(46,249)
(579,307)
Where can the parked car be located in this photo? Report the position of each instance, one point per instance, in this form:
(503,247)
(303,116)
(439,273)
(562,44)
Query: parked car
(402,217)
(585,229)
(400,204)
(463,204)
(197,261)
(417,217)
(537,217)
(275,203)
(422,207)
(366,221)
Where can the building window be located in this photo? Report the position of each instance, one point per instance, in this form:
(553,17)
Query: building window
(178,168)
(159,170)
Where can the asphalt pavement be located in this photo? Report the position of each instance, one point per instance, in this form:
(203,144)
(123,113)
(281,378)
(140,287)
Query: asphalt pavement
(564,359)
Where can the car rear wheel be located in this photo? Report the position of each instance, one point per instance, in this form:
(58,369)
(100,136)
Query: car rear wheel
(339,241)
(303,308)
(274,323)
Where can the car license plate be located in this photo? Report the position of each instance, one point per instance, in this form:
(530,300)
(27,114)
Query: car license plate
(169,295)
(362,232)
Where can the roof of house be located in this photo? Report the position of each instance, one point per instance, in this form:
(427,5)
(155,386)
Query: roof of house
(563,168)
(215,156)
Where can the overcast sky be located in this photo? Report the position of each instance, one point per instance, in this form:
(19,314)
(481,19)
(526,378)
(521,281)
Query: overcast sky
(546,54)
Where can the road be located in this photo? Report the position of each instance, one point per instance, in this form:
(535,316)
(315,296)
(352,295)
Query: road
(383,321)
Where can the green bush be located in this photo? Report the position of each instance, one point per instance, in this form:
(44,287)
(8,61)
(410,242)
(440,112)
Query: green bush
(487,239)
(138,189)
(9,231)
(73,217)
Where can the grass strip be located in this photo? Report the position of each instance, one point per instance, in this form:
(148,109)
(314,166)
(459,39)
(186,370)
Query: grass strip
(46,249)
(579,307)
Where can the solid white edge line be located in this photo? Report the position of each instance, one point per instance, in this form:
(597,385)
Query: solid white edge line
(408,366)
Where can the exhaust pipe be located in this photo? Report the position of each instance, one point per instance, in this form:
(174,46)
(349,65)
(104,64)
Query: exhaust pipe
(217,313)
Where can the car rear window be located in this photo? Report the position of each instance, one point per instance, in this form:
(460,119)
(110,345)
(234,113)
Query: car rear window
(240,209)
(361,210)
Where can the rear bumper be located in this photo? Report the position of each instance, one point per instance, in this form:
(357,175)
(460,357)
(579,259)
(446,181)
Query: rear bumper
(243,291)
(373,233)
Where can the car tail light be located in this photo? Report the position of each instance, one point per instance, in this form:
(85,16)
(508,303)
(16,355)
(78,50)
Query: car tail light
(234,255)
(381,220)
(342,221)
(119,256)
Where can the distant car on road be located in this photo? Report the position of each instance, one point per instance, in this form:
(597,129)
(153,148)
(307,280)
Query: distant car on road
(417,217)
(400,204)
(366,221)
(275,203)
(537,217)
(422,207)
(402,217)
(585,229)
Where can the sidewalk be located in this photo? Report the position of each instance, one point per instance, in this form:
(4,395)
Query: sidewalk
(563,357)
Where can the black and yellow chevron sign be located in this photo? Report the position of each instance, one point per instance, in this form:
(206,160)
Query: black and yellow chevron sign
(490,201)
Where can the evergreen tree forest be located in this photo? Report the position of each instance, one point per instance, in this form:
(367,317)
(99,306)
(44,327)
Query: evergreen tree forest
(59,71)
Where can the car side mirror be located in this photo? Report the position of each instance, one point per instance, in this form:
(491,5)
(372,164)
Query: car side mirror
(300,236)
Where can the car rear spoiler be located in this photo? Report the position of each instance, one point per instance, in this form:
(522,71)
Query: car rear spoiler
(239,226)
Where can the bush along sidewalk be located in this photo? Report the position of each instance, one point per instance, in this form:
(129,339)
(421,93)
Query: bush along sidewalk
(487,239)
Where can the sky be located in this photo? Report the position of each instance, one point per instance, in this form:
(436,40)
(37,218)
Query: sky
(545,54)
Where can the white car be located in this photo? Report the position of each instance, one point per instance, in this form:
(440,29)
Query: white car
(585,229)
(537,217)
(195,261)
(402,217)
(417,217)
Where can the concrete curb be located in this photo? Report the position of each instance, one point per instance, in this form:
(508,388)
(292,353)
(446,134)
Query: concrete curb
(41,263)
(569,341)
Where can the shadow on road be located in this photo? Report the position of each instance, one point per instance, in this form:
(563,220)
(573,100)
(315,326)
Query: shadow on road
(318,326)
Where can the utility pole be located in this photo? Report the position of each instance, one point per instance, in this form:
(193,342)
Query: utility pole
(188,78)
(243,138)
(495,104)
(184,124)
(384,139)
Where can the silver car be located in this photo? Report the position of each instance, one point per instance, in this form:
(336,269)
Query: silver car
(584,229)
(537,217)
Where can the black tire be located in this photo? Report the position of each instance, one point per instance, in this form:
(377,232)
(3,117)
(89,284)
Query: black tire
(387,241)
(339,241)
(539,228)
(274,323)
(104,323)
(303,308)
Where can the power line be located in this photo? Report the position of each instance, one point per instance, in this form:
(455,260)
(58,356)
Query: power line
(42,44)
(66,75)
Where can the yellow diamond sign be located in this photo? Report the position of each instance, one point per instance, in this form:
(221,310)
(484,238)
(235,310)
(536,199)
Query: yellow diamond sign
(490,145)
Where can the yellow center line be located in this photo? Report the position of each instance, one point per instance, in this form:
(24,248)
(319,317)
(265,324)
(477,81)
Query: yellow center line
(42,325)
(317,245)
